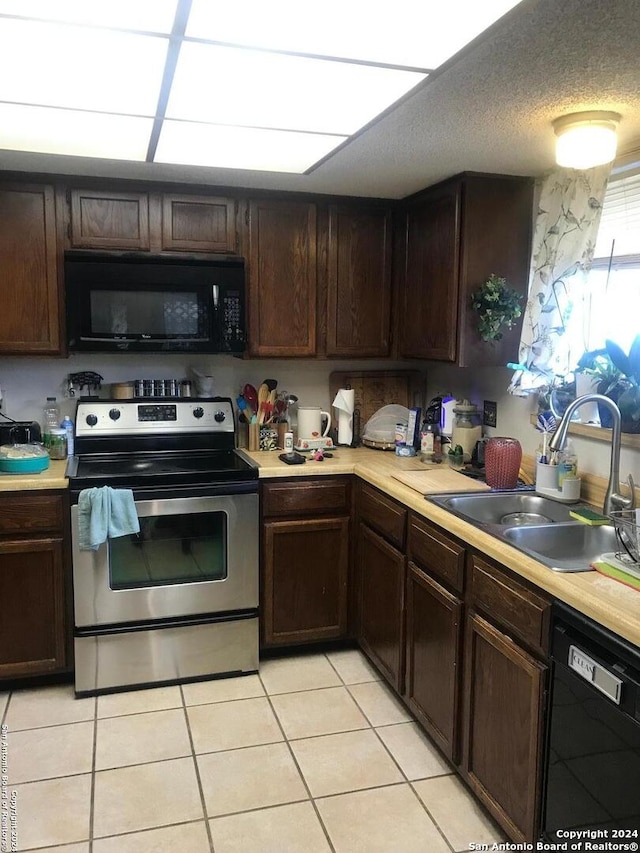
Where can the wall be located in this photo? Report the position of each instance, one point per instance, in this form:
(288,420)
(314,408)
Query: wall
(490,383)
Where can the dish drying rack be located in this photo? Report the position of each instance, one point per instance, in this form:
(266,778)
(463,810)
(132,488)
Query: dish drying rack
(627,528)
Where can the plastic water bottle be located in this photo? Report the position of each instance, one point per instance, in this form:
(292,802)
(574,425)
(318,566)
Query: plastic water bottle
(67,426)
(51,420)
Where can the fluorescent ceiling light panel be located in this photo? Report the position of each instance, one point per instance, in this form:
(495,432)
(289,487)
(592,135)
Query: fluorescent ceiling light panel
(150,15)
(50,131)
(279,91)
(241,148)
(67,66)
(416,33)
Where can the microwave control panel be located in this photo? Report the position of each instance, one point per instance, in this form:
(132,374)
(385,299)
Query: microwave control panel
(232,325)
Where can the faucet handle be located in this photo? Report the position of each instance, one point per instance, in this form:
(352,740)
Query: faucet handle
(632,489)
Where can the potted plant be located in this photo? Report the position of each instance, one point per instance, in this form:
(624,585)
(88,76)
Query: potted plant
(629,367)
(606,377)
(498,307)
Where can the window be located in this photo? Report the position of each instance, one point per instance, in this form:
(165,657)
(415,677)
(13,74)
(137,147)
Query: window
(609,306)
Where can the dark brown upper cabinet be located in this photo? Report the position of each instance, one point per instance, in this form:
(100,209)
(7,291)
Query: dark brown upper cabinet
(282,278)
(359,282)
(109,220)
(458,233)
(198,224)
(29,270)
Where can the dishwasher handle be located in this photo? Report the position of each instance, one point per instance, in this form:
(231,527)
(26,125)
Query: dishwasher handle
(598,665)
(594,673)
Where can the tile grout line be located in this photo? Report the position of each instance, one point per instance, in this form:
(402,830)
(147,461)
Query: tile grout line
(298,768)
(207,825)
(92,793)
(405,778)
(432,818)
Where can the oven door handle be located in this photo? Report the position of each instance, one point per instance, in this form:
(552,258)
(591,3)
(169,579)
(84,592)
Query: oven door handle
(206,490)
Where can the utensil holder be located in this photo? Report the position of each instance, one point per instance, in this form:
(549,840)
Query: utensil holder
(266,436)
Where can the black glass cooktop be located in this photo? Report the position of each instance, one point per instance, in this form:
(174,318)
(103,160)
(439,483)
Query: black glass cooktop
(151,469)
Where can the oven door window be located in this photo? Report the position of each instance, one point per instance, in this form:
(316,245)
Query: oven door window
(169,550)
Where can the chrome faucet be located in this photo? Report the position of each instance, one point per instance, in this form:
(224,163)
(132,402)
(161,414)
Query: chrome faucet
(613,500)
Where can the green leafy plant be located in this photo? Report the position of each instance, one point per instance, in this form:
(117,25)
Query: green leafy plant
(598,364)
(498,307)
(629,367)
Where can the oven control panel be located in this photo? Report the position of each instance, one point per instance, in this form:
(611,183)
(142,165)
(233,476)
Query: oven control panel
(123,417)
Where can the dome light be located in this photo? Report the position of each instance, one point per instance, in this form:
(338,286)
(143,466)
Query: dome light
(586,139)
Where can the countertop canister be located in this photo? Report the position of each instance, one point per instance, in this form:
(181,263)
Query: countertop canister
(502,460)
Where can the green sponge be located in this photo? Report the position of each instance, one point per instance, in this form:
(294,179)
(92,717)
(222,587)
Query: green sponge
(588,516)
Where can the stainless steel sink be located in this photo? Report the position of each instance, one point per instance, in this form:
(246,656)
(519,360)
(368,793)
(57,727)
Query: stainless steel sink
(537,526)
(564,547)
(504,508)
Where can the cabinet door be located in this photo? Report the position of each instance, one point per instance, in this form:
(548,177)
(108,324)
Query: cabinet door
(431,276)
(381,570)
(434,630)
(198,224)
(109,220)
(29,270)
(359,282)
(282,278)
(503,719)
(305,580)
(32,629)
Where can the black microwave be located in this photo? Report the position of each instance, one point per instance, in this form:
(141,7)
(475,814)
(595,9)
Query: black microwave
(144,303)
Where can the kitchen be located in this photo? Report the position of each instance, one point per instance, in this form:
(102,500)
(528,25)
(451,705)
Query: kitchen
(27,381)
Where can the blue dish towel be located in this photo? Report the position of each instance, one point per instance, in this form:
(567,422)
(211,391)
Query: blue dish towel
(105,513)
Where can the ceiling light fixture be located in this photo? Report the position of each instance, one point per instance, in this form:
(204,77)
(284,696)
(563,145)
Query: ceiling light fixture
(586,139)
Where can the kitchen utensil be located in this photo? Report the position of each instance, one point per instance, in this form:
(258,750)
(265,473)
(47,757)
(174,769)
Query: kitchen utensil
(310,423)
(271,384)
(263,397)
(251,396)
(244,408)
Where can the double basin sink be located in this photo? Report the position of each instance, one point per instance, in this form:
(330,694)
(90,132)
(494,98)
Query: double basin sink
(538,526)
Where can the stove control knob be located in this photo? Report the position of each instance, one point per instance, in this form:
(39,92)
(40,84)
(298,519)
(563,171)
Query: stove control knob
(219,417)
(114,414)
(198,412)
(92,420)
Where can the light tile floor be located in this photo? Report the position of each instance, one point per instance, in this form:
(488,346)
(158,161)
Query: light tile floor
(313,755)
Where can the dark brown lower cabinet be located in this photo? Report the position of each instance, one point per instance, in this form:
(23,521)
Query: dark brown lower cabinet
(32,615)
(505,689)
(305,568)
(381,571)
(434,632)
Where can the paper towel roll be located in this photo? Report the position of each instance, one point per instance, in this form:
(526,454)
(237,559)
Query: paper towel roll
(345,404)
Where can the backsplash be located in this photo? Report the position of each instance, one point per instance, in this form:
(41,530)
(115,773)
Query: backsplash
(27,382)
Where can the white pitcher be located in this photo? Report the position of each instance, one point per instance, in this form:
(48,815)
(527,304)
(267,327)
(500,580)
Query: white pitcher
(310,422)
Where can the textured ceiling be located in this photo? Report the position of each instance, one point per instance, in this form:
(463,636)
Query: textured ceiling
(489,111)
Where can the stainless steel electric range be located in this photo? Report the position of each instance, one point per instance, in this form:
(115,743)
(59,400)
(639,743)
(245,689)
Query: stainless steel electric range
(177,601)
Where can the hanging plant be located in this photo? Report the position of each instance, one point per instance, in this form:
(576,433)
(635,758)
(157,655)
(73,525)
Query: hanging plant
(498,307)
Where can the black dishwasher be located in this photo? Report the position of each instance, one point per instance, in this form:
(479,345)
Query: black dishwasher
(592,768)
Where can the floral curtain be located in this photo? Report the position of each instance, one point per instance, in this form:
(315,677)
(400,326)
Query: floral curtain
(569,210)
